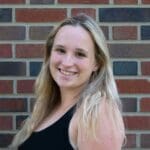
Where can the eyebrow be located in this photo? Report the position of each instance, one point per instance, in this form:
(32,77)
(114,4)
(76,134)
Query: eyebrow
(61,46)
(81,50)
(77,49)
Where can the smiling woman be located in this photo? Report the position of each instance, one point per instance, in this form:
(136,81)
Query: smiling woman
(72,59)
(77,98)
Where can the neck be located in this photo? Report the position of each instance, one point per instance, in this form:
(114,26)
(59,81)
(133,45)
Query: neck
(69,97)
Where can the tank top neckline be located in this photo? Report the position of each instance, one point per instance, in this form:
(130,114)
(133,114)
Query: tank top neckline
(56,122)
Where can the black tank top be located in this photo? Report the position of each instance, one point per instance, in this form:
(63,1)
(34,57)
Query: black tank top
(54,137)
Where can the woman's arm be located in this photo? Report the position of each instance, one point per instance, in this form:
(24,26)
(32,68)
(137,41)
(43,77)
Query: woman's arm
(109,135)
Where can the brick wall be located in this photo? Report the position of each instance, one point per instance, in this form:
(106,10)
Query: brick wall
(24,25)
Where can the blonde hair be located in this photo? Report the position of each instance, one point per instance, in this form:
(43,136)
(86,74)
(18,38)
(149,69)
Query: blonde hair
(101,84)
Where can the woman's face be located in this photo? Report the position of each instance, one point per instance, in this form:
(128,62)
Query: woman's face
(72,59)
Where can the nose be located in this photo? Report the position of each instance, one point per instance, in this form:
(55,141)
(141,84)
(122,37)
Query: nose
(68,60)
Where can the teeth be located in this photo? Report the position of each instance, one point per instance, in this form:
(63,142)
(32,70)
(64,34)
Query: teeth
(67,73)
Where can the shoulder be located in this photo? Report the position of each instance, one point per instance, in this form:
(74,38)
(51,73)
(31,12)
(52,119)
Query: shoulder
(109,130)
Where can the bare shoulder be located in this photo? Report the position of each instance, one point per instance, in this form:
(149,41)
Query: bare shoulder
(109,130)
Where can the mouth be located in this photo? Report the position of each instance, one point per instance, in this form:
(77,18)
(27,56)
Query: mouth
(66,72)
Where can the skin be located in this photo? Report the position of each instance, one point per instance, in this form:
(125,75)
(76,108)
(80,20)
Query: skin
(71,64)
(108,135)
(72,58)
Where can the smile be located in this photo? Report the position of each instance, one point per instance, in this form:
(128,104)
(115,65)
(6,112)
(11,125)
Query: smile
(67,73)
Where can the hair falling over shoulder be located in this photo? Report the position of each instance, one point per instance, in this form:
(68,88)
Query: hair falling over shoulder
(101,86)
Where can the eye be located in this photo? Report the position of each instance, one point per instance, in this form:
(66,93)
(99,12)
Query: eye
(60,50)
(80,54)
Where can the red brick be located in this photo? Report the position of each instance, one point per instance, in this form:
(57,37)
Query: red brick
(13,105)
(5,139)
(145,68)
(89,11)
(12,1)
(12,33)
(25,86)
(20,120)
(138,86)
(40,15)
(128,50)
(137,122)
(39,32)
(42,1)
(125,1)
(84,1)
(105,31)
(131,141)
(146,1)
(5,51)
(125,33)
(145,140)
(129,104)
(6,86)
(32,102)
(145,105)
(5,122)
(29,51)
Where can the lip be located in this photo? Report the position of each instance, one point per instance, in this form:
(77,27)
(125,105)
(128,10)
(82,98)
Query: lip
(67,72)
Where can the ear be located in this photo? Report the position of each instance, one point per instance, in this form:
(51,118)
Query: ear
(96,67)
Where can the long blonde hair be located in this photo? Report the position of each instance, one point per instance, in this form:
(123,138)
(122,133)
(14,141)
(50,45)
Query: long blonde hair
(101,83)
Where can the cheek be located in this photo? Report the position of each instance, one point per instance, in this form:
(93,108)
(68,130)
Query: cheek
(85,65)
(53,63)
(54,59)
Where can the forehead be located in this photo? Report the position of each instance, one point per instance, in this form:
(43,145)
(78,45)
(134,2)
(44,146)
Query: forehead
(73,31)
(74,36)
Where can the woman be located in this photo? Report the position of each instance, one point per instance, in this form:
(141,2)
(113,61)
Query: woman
(77,103)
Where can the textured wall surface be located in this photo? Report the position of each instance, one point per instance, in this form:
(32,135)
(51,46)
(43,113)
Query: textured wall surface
(24,26)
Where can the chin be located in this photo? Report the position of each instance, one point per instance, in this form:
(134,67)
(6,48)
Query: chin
(67,86)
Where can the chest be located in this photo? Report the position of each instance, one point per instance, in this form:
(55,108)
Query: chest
(54,136)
